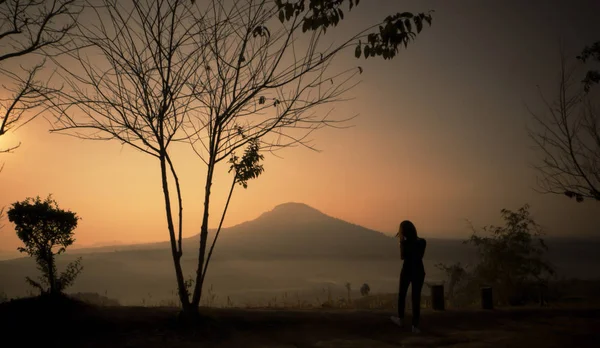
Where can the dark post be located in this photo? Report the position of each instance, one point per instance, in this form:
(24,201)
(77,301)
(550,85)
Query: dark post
(487,301)
(437,297)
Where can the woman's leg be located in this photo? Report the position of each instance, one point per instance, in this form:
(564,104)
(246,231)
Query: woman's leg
(404,283)
(417,286)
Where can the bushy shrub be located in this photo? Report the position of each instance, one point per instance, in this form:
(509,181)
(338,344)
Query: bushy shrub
(42,227)
(510,260)
(365,289)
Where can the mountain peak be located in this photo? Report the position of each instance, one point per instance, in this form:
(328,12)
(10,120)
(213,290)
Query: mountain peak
(294,206)
(298,229)
(292,211)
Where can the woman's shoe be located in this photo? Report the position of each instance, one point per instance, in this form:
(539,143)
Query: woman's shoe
(397,320)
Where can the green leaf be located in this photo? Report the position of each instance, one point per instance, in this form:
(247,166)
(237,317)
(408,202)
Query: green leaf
(357,51)
(281,16)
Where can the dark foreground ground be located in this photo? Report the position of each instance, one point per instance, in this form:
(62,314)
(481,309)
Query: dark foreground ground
(74,324)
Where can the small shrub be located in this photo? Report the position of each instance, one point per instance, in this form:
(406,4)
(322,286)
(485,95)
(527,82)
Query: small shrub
(3,297)
(511,261)
(365,289)
(42,227)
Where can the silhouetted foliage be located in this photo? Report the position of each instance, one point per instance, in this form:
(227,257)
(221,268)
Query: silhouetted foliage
(511,254)
(567,136)
(510,260)
(43,226)
(223,76)
(456,273)
(28,29)
(365,289)
(592,53)
(394,31)
(349,289)
(246,168)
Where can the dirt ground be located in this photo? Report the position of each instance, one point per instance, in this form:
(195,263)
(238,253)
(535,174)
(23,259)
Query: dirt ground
(78,325)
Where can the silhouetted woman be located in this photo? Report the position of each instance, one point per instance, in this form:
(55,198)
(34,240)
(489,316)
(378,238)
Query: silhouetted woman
(412,249)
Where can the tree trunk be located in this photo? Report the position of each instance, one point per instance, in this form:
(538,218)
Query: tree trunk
(182,291)
(51,275)
(212,247)
(203,235)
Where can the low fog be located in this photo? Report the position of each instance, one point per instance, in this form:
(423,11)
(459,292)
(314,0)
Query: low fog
(291,254)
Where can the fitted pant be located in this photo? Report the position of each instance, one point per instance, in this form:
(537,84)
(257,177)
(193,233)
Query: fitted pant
(416,279)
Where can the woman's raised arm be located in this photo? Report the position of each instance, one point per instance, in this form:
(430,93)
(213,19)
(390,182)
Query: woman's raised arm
(401,250)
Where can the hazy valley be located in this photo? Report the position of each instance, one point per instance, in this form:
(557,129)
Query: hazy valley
(292,253)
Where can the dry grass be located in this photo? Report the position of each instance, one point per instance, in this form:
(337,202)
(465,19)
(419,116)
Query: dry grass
(70,323)
(571,292)
(287,320)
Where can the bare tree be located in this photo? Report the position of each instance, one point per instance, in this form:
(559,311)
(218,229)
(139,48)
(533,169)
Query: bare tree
(29,29)
(267,81)
(138,88)
(567,136)
(225,76)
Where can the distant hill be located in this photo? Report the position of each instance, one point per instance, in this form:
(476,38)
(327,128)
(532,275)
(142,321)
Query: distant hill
(292,248)
(290,230)
(293,230)
(296,230)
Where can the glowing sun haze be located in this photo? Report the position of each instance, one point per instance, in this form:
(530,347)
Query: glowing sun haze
(440,138)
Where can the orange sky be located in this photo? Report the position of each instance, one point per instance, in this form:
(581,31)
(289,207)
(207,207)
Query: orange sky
(440,138)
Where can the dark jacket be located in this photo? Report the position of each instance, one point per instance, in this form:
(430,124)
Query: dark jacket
(412,254)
